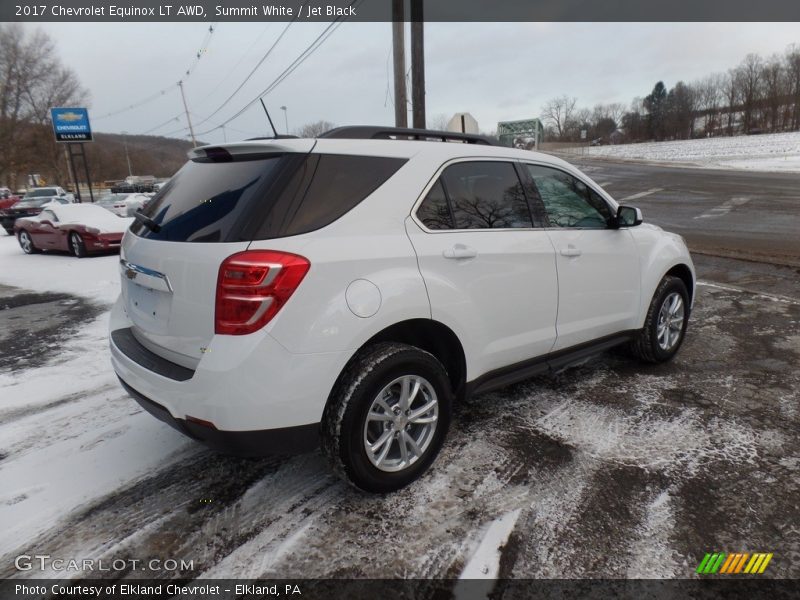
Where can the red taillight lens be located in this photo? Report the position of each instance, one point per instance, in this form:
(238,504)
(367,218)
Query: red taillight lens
(253,286)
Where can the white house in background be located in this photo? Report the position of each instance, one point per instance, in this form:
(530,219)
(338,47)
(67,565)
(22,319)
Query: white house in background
(464,123)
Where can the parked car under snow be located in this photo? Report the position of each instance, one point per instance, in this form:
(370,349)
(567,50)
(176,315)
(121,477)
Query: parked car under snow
(80,229)
(124,205)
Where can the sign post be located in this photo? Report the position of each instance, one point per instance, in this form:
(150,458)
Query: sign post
(71,126)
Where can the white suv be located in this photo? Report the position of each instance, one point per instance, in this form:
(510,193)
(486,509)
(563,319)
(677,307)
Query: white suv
(348,290)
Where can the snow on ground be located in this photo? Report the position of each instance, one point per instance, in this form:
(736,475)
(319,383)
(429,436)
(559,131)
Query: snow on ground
(485,562)
(93,277)
(769,152)
(96,438)
(612,469)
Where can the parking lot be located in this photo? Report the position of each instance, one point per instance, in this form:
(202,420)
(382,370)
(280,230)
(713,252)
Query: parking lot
(610,469)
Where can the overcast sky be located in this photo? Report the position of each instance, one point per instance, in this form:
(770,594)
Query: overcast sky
(496,71)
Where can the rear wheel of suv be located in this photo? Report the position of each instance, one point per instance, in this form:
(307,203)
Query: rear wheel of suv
(26,243)
(665,324)
(387,417)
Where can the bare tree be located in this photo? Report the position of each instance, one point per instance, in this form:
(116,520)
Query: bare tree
(316,129)
(613,111)
(582,121)
(792,62)
(748,78)
(559,113)
(708,95)
(774,89)
(438,122)
(730,89)
(33,80)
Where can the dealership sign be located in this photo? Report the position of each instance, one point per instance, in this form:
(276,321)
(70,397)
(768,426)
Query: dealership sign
(71,124)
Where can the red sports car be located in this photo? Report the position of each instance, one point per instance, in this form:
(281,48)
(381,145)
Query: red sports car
(77,228)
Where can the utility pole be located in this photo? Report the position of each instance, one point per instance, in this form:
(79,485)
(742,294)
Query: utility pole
(418,64)
(186,108)
(127,156)
(71,170)
(286,118)
(399,56)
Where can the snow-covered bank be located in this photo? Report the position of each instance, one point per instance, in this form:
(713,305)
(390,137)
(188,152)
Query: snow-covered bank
(769,152)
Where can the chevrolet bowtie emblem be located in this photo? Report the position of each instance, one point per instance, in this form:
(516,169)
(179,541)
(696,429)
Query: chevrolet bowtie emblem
(130,273)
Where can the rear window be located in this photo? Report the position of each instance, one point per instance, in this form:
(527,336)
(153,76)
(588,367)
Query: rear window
(262,197)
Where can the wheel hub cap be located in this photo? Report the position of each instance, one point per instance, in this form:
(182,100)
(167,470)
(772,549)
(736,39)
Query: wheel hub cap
(401,423)
(670,321)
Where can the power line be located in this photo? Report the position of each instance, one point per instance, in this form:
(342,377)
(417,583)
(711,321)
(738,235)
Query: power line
(263,58)
(232,70)
(203,49)
(254,69)
(160,125)
(320,39)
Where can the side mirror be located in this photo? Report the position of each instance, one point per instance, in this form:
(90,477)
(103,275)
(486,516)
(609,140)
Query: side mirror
(628,216)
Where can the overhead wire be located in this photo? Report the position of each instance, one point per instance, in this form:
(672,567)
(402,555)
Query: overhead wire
(203,49)
(302,57)
(252,71)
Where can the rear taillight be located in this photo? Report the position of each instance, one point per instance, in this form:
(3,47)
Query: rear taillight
(253,286)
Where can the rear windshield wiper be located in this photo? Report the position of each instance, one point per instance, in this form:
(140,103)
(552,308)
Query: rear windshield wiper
(147,221)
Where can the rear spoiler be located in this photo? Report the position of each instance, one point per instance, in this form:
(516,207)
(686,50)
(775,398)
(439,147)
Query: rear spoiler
(227,152)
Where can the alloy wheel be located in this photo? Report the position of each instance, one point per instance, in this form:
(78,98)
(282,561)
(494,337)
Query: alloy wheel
(25,242)
(401,423)
(670,321)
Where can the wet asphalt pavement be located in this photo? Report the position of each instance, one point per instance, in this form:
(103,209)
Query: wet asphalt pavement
(610,469)
(738,214)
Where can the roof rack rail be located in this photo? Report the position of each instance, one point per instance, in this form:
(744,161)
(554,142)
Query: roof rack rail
(368,132)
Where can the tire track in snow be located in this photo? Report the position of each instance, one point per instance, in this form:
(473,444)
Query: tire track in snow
(172,500)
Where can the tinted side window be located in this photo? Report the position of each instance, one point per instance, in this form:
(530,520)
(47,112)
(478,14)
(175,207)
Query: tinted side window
(434,211)
(325,188)
(486,195)
(568,201)
(262,196)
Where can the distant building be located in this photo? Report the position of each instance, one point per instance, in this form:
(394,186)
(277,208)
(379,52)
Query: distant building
(463,123)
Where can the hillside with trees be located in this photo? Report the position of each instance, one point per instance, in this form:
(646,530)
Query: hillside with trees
(759,95)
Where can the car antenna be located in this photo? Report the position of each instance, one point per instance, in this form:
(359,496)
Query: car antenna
(274,131)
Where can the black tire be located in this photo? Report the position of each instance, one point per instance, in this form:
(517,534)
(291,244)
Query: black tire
(76,245)
(343,430)
(645,346)
(26,243)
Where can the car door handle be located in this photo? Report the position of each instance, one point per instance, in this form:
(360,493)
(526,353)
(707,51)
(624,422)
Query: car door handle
(460,251)
(570,251)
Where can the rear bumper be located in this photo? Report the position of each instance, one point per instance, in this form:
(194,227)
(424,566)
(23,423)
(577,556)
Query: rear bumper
(257,397)
(284,440)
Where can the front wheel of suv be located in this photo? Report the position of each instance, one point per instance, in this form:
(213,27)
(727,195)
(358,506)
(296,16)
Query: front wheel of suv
(665,323)
(387,417)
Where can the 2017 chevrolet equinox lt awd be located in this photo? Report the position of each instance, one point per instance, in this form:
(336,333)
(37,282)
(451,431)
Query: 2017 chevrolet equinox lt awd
(348,290)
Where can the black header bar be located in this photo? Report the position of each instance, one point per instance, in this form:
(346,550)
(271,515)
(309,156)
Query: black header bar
(380,10)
